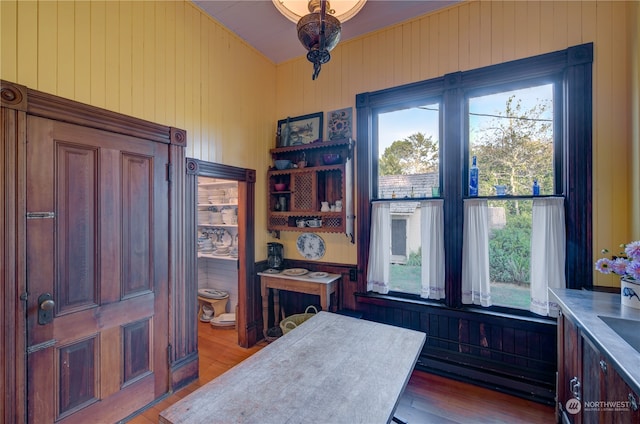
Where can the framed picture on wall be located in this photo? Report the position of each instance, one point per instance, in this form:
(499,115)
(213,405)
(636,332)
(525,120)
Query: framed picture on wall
(339,124)
(303,129)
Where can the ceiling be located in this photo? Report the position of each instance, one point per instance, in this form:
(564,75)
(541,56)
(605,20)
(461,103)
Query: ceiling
(263,27)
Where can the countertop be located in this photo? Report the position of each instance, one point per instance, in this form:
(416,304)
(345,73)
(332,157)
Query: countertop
(583,307)
(310,276)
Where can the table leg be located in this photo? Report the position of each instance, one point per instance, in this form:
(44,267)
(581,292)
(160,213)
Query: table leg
(264,290)
(325,298)
(276,307)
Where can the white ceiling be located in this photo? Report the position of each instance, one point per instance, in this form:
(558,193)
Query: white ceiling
(262,26)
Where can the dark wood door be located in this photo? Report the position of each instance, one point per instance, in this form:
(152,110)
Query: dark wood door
(97,243)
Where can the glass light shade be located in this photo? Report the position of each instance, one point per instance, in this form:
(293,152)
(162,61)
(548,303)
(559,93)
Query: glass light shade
(343,10)
(309,31)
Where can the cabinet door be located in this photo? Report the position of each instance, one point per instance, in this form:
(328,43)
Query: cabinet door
(569,370)
(624,409)
(607,398)
(593,387)
(304,188)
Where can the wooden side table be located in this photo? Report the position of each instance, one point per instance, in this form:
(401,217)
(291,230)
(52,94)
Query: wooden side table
(322,287)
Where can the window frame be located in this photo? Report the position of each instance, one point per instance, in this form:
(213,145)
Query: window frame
(572,141)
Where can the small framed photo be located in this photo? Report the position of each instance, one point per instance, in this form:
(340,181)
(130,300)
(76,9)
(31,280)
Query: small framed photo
(303,129)
(339,124)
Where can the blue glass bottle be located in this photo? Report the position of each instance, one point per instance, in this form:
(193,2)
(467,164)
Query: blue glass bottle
(473,178)
(536,188)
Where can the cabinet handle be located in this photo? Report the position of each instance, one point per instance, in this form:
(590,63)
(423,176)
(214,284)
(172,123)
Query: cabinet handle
(603,366)
(633,402)
(574,387)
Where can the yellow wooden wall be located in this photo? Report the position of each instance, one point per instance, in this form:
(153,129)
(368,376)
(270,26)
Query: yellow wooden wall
(634,28)
(162,61)
(169,63)
(480,33)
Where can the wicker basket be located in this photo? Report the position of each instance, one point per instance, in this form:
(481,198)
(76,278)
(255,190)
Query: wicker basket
(292,321)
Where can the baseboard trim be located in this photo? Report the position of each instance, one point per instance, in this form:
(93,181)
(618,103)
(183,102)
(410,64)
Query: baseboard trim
(479,377)
(184,371)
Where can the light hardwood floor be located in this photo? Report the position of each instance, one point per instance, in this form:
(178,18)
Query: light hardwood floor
(427,399)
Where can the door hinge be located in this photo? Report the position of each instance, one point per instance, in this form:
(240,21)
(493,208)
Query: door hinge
(169,171)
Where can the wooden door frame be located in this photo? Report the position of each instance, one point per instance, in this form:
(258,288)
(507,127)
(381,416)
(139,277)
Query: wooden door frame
(248,322)
(17,102)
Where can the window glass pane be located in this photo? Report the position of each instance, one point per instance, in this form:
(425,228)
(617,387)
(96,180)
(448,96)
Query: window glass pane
(511,134)
(510,252)
(408,147)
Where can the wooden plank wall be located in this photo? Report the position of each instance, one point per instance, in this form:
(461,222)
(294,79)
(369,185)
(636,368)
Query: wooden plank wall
(162,61)
(168,62)
(474,34)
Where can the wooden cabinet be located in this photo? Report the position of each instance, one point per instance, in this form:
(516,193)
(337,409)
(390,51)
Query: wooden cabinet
(590,390)
(300,194)
(569,370)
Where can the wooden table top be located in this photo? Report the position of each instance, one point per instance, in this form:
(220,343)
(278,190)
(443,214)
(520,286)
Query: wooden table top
(305,277)
(331,369)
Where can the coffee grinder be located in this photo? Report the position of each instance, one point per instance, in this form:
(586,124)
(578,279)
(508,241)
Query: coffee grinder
(275,256)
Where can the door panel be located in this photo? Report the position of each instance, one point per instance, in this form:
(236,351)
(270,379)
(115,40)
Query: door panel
(102,254)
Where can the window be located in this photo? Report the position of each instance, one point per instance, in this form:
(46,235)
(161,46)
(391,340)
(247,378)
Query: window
(408,168)
(524,120)
(510,132)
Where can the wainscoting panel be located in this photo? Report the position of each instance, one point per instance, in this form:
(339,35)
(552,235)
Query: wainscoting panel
(499,351)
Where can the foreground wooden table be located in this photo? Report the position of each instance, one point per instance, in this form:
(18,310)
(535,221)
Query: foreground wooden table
(331,369)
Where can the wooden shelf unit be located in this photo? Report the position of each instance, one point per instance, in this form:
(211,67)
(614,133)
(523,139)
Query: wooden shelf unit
(306,188)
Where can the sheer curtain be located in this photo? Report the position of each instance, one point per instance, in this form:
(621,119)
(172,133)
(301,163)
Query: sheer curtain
(379,248)
(548,241)
(475,253)
(432,240)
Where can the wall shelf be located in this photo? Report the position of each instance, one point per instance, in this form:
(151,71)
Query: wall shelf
(309,186)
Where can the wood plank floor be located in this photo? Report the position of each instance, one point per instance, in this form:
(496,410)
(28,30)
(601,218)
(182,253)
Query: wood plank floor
(427,399)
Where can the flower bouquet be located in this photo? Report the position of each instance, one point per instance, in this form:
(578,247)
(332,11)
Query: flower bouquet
(627,265)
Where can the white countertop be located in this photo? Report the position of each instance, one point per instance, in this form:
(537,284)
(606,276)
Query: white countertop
(583,307)
(305,277)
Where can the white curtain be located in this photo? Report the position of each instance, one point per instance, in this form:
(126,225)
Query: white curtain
(475,253)
(548,241)
(379,248)
(432,240)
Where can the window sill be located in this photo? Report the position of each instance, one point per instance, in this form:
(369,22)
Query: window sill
(417,302)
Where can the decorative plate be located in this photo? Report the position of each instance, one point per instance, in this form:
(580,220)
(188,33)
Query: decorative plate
(295,271)
(310,245)
(318,275)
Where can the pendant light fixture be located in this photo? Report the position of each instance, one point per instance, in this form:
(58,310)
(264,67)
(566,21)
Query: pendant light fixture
(319,30)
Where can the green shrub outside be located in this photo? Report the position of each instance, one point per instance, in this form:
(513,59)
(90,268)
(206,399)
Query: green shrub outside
(510,251)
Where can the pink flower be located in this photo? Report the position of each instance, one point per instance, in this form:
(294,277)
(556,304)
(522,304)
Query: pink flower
(627,264)
(603,265)
(633,269)
(633,250)
(619,266)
